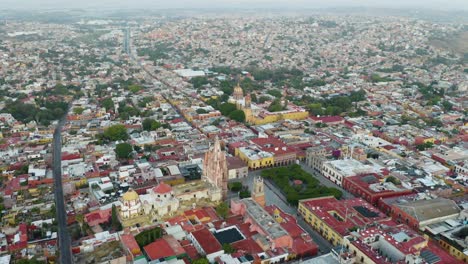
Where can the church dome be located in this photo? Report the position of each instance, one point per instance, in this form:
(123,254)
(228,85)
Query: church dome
(238,89)
(238,92)
(162,188)
(130,195)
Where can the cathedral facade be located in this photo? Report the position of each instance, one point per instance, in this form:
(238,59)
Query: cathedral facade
(215,168)
(258,115)
(165,201)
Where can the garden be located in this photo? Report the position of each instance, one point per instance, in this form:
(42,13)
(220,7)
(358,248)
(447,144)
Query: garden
(297,184)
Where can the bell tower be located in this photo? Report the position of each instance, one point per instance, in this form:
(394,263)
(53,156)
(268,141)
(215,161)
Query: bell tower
(258,193)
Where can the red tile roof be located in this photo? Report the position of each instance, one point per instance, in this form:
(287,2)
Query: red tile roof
(98,217)
(247,246)
(235,163)
(325,208)
(207,241)
(207,214)
(164,247)
(191,251)
(162,188)
(327,119)
(129,241)
(273,145)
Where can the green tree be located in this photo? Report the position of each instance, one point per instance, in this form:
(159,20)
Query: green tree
(237,115)
(357,96)
(222,209)
(447,105)
(148,236)
(108,104)
(115,222)
(150,124)
(199,81)
(116,132)
(80,219)
(254,97)
(235,186)
(263,99)
(201,261)
(201,111)
(315,109)
(228,248)
(276,93)
(244,193)
(78,110)
(134,88)
(276,106)
(123,150)
(29,261)
(227,108)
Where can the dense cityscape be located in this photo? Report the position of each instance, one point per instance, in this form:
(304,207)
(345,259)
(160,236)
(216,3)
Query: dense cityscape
(233,137)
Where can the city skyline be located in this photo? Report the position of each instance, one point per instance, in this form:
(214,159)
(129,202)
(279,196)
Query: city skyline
(453,5)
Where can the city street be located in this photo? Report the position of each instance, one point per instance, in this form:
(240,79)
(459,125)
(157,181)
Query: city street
(63,235)
(274,196)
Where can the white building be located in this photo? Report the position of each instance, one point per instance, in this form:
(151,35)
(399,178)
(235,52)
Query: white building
(337,170)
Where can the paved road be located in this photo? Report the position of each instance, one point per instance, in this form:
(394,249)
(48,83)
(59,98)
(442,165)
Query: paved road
(64,241)
(274,196)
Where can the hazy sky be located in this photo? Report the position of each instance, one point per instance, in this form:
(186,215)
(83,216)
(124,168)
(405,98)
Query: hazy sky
(432,4)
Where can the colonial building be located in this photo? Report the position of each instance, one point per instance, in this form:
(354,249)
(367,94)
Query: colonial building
(159,200)
(215,167)
(163,200)
(334,219)
(258,193)
(258,115)
(131,211)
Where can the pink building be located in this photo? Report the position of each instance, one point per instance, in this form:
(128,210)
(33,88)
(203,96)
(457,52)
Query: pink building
(272,234)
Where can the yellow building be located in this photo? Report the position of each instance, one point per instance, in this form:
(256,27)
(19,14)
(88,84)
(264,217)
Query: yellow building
(454,251)
(266,117)
(320,225)
(334,219)
(454,243)
(256,115)
(254,159)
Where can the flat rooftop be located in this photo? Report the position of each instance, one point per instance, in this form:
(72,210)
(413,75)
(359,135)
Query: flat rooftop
(350,167)
(228,236)
(264,219)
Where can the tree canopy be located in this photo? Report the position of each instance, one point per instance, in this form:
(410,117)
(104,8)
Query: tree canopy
(201,261)
(150,124)
(222,209)
(108,104)
(284,177)
(116,132)
(148,236)
(228,248)
(237,115)
(123,150)
(115,222)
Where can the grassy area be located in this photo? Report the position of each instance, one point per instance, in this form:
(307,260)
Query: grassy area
(148,236)
(297,184)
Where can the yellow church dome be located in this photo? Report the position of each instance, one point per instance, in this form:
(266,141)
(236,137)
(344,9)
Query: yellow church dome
(238,93)
(238,89)
(130,195)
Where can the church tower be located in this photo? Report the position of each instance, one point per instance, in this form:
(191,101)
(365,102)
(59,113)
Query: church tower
(238,93)
(258,192)
(215,167)
(248,101)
